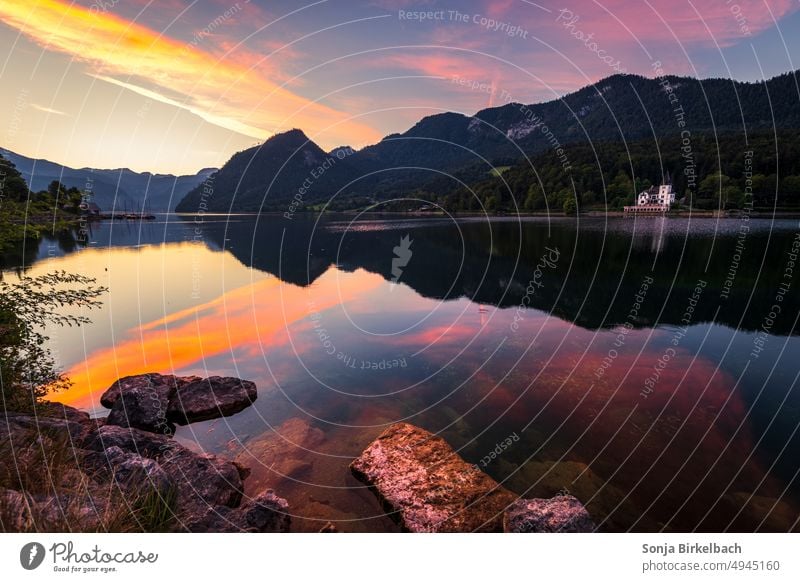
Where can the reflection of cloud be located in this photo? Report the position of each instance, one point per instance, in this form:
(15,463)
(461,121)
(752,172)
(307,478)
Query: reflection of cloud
(221,91)
(243,321)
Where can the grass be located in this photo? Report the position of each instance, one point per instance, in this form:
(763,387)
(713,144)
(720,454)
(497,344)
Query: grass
(46,465)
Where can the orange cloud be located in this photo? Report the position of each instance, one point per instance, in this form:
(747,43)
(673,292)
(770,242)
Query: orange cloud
(220,90)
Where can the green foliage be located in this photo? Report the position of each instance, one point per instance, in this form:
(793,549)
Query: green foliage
(27,369)
(570,208)
(602,175)
(25,215)
(12,185)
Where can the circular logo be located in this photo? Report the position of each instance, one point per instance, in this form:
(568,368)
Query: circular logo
(31,555)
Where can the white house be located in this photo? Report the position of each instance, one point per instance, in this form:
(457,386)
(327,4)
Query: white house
(662,195)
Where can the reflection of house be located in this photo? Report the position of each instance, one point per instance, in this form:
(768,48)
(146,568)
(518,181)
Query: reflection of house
(654,200)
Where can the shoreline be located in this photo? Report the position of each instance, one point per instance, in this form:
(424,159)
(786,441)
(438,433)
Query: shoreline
(755,214)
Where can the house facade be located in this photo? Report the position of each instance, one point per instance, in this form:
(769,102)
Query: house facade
(656,199)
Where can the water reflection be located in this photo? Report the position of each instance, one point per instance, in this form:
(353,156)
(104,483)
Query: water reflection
(654,420)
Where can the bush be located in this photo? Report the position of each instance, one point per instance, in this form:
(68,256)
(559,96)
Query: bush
(27,369)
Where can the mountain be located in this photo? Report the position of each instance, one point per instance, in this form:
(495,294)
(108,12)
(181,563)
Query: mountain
(617,109)
(120,189)
(288,166)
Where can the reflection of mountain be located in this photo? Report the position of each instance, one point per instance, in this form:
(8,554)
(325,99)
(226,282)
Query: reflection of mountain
(594,284)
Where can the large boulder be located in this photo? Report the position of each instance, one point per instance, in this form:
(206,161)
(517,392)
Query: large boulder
(427,486)
(155,382)
(142,401)
(560,514)
(209,398)
(156,402)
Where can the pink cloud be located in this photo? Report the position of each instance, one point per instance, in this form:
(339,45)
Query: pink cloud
(666,20)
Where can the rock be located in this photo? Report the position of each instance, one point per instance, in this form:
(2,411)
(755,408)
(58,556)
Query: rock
(24,512)
(133,440)
(144,382)
(201,480)
(213,397)
(15,512)
(155,403)
(144,408)
(427,486)
(265,513)
(563,513)
(130,471)
(97,464)
(609,505)
(21,426)
(142,401)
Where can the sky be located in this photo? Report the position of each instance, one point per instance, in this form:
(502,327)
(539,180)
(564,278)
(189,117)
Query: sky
(172,86)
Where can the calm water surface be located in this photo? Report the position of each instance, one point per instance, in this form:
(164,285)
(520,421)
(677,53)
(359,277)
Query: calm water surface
(642,364)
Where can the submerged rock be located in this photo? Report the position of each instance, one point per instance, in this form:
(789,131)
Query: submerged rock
(606,503)
(427,486)
(281,455)
(560,514)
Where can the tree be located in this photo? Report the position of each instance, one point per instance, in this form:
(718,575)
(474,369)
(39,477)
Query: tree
(790,189)
(56,190)
(534,199)
(621,187)
(721,190)
(12,184)
(27,369)
(570,208)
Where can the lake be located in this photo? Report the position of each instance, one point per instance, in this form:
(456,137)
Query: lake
(649,366)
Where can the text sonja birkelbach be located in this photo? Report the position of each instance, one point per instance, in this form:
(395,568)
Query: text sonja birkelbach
(66,557)
(691,548)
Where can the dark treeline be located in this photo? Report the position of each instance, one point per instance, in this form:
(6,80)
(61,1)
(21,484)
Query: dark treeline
(707,172)
(30,215)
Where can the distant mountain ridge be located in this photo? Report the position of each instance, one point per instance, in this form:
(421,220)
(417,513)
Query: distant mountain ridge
(120,189)
(618,108)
